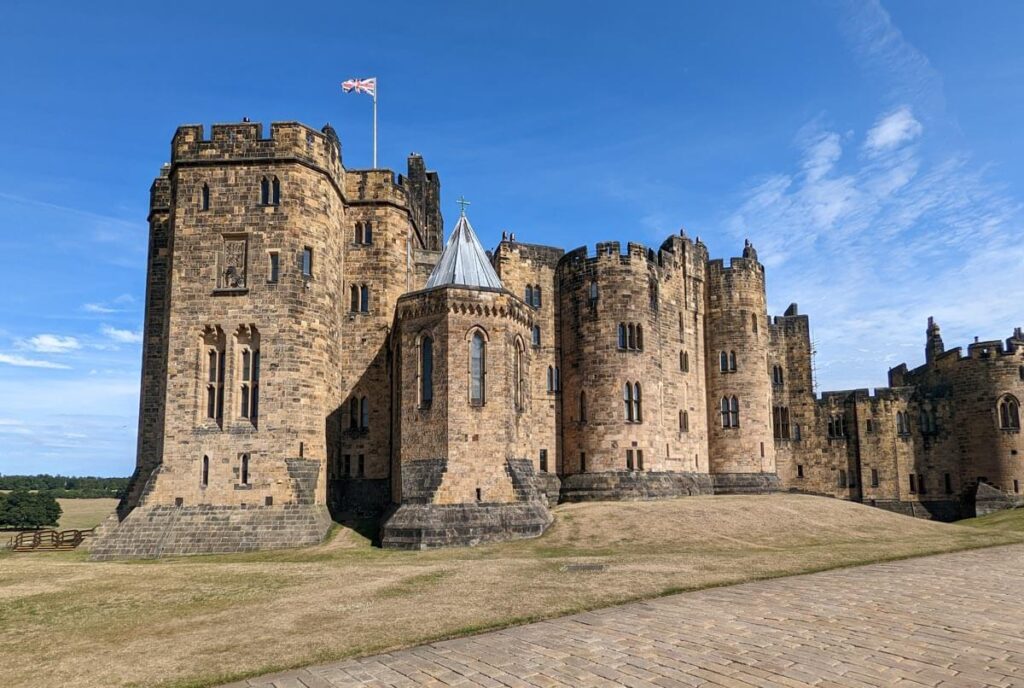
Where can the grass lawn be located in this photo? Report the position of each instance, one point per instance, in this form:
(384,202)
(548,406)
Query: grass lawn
(203,620)
(1011,519)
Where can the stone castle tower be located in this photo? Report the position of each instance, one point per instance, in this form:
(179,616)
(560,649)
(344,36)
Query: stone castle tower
(310,350)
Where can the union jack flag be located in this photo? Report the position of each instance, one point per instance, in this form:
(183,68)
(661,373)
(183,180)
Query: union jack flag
(368,86)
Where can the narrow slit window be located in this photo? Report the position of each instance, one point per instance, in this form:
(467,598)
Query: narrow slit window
(275,267)
(307,262)
(426,371)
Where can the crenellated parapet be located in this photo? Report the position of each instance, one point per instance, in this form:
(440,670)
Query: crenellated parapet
(245,141)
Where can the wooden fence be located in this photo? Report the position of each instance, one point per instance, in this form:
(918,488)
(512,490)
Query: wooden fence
(48,540)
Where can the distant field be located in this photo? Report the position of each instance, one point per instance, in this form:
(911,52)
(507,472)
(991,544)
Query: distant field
(75,513)
(204,620)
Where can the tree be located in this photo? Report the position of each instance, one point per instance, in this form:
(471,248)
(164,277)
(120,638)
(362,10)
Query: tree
(22,509)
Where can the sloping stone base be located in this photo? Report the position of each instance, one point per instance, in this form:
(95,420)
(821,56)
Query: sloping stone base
(988,499)
(936,509)
(746,483)
(156,531)
(633,485)
(425,526)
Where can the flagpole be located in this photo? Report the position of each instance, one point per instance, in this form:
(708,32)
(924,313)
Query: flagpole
(375,126)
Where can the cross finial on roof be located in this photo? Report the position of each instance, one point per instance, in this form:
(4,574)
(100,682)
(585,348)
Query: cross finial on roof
(462,204)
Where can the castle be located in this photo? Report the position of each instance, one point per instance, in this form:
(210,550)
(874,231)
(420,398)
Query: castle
(313,345)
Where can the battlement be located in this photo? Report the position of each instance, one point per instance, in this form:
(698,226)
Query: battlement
(244,141)
(535,253)
(978,353)
(790,322)
(736,264)
(669,255)
(835,398)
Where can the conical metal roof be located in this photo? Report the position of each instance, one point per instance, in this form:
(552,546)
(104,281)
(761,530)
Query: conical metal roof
(464,261)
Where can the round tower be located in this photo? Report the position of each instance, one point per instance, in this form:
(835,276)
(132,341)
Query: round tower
(742,452)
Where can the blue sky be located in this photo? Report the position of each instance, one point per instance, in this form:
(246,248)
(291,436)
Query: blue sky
(871,153)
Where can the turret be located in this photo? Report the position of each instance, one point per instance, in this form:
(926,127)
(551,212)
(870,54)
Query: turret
(934,348)
(738,382)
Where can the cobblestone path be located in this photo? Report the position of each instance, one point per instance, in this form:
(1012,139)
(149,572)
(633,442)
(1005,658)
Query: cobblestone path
(947,620)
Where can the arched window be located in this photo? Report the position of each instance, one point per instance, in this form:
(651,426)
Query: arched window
(735,412)
(723,362)
(536,296)
(725,412)
(638,414)
(529,295)
(1009,414)
(358,238)
(368,232)
(583,407)
(632,336)
(902,426)
(265,191)
(205,199)
(204,476)
(640,337)
(627,400)
(777,375)
(215,380)
(732,361)
(536,335)
(244,470)
(593,294)
(250,380)
(364,299)
(364,413)
(426,371)
(622,336)
(477,369)
(551,379)
(353,414)
(684,421)
(276,198)
(354,298)
(517,376)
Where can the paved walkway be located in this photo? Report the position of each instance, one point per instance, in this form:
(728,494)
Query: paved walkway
(948,620)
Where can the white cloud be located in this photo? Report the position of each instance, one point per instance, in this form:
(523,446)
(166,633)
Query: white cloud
(893,130)
(52,344)
(122,336)
(22,362)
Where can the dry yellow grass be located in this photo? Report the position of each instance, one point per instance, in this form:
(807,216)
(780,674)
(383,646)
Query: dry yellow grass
(75,513)
(199,621)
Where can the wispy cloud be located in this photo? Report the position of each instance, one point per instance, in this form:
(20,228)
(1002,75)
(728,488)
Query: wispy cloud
(873,245)
(23,362)
(97,308)
(52,344)
(122,336)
